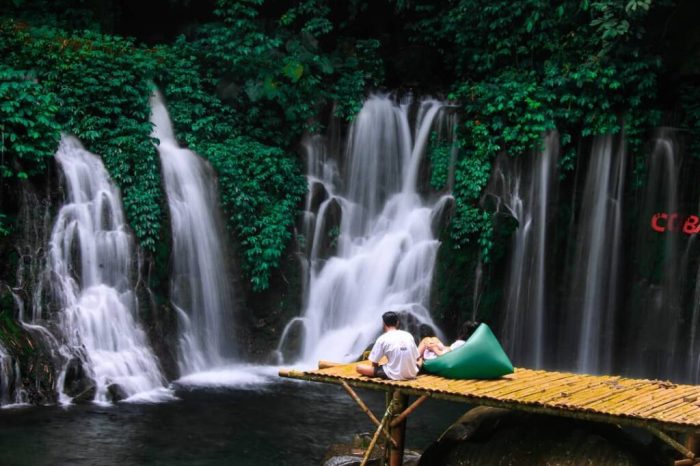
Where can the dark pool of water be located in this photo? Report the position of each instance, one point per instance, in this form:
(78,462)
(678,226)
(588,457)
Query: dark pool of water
(284,423)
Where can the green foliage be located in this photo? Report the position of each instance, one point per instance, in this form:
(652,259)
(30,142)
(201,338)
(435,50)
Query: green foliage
(96,87)
(28,129)
(263,187)
(440,157)
(690,101)
(242,93)
(525,68)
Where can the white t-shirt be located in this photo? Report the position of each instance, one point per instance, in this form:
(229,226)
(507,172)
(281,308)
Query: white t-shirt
(401,351)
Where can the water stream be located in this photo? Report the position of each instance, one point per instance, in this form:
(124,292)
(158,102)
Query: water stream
(525,188)
(200,281)
(7,378)
(597,261)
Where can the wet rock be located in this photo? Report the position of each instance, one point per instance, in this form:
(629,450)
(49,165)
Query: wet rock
(77,384)
(330,229)
(86,395)
(292,345)
(441,215)
(116,392)
(497,436)
(352,454)
(317,194)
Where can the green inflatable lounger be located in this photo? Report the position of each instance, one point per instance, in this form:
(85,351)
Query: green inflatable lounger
(481,357)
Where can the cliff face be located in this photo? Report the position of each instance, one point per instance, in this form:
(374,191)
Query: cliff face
(24,292)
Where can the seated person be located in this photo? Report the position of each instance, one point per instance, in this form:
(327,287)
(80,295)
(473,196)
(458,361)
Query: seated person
(430,346)
(398,347)
(465,332)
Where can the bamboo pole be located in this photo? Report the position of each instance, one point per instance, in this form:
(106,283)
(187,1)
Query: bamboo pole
(387,440)
(685,462)
(367,411)
(375,437)
(692,442)
(323,364)
(398,431)
(672,442)
(408,411)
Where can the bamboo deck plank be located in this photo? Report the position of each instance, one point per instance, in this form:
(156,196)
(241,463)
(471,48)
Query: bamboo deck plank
(620,398)
(664,404)
(530,389)
(568,388)
(661,395)
(608,395)
(575,388)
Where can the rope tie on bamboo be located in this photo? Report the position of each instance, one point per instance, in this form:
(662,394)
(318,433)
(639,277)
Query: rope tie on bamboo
(365,409)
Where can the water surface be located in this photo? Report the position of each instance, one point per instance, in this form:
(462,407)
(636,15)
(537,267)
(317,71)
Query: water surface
(278,423)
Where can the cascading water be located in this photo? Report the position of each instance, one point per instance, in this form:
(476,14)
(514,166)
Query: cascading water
(597,262)
(90,259)
(525,189)
(694,352)
(370,244)
(655,344)
(200,283)
(6,378)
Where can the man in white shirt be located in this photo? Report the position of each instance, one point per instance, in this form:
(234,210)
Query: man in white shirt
(398,347)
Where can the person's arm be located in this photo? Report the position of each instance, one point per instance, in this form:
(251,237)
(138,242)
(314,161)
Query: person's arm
(437,347)
(376,354)
(421,348)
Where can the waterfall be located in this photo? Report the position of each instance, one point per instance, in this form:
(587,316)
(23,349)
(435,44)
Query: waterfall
(200,284)
(90,259)
(525,189)
(6,378)
(694,353)
(655,345)
(370,247)
(597,261)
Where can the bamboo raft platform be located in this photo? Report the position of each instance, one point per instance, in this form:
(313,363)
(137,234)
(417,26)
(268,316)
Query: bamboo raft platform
(668,410)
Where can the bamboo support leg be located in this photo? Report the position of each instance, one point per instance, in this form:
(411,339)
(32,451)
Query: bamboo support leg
(366,410)
(375,437)
(398,431)
(408,411)
(692,443)
(685,462)
(672,442)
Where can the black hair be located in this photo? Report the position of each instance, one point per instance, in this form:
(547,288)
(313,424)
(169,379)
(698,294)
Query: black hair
(425,331)
(391,319)
(466,330)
